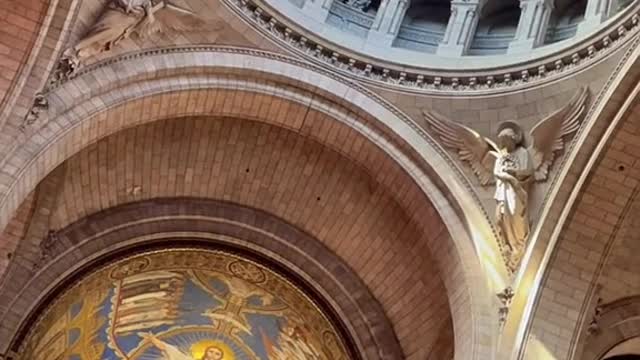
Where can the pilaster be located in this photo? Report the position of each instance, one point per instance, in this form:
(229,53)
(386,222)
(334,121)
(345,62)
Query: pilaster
(387,22)
(533,24)
(596,12)
(461,27)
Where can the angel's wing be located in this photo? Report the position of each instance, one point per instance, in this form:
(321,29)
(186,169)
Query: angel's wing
(548,135)
(168,18)
(471,146)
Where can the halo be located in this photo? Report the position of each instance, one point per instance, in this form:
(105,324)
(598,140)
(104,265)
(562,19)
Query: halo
(513,126)
(198,349)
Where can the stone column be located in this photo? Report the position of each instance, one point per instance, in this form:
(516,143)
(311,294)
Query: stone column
(533,24)
(597,11)
(387,22)
(461,27)
(317,9)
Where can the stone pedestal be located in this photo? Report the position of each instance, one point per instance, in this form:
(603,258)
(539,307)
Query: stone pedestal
(387,22)
(533,24)
(461,27)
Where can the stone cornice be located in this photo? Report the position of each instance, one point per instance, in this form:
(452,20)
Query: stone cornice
(397,77)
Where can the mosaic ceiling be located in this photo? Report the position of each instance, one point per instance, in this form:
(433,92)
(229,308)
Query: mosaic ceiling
(183,304)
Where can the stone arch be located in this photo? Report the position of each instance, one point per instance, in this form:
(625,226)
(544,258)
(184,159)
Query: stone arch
(194,76)
(162,223)
(619,321)
(574,240)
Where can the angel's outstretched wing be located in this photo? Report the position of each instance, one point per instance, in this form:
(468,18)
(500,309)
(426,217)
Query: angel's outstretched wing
(168,18)
(472,148)
(548,135)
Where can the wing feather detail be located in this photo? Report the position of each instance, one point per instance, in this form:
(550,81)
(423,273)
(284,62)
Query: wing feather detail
(548,136)
(472,148)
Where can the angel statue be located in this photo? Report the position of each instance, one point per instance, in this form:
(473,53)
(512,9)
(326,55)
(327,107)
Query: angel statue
(512,163)
(122,18)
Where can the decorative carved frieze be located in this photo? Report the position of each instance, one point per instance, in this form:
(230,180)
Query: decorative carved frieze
(432,81)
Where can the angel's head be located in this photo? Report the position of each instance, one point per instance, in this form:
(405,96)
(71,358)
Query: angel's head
(509,136)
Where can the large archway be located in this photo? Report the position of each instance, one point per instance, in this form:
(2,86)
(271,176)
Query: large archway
(595,218)
(160,225)
(176,83)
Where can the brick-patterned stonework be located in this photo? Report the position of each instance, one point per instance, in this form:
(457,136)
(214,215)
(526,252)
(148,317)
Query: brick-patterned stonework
(605,107)
(339,115)
(216,223)
(20,21)
(138,90)
(15,231)
(275,170)
(619,276)
(566,304)
(618,321)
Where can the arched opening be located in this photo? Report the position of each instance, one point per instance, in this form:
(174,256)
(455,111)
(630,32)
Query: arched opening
(309,117)
(197,301)
(424,25)
(496,28)
(163,226)
(618,5)
(564,20)
(276,171)
(626,350)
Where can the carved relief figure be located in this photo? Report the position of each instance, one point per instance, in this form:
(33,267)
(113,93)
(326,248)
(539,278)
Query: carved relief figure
(512,165)
(512,171)
(122,18)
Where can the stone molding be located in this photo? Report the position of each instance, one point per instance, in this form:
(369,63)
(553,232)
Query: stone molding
(618,321)
(558,204)
(172,222)
(134,76)
(124,79)
(393,76)
(50,38)
(94,68)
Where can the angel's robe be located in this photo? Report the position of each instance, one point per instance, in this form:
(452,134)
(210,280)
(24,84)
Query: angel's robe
(512,197)
(113,25)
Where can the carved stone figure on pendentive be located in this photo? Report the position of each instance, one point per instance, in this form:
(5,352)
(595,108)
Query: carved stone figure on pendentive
(123,18)
(512,165)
